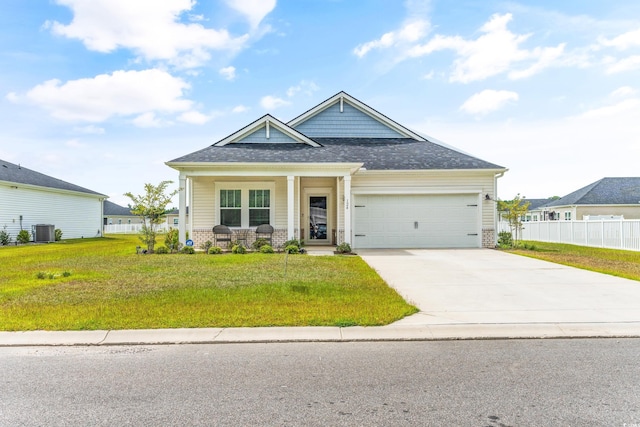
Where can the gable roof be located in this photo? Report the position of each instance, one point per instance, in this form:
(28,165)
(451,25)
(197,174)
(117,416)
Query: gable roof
(267,121)
(374,154)
(17,174)
(607,191)
(341,98)
(384,145)
(112,209)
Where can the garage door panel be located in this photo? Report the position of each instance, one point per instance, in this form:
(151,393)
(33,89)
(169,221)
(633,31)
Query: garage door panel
(416,221)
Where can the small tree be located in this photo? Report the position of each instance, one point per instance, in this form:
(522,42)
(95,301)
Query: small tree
(152,208)
(513,211)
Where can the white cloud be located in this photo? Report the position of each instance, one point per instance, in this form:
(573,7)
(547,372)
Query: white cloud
(487,101)
(613,110)
(623,92)
(194,117)
(305,87)
(410,32)
(147,120)
(239,109)
(74,143)
(618,66)
(272,102)
(229,73)
(122,93)
(496,51)
(623,41)
(151,28)
(91,129)
(253,10)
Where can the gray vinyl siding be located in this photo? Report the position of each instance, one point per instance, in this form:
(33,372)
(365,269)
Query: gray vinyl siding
(351,123)
(75,214)
(260,136)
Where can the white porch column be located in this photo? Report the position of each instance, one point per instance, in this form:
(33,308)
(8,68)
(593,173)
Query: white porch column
(347,209)
(290,208)
(182,209)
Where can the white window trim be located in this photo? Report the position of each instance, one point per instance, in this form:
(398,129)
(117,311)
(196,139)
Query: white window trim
(244,188)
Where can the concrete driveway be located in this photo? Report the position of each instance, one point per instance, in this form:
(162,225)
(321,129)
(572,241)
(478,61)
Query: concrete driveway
(483,286)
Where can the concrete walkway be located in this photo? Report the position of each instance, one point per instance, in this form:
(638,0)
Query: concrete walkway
(462,294)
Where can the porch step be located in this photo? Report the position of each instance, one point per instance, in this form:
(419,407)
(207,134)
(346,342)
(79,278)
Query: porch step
(319,250)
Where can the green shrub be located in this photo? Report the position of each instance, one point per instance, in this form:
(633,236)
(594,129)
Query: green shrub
(58,234)
(162,250)
(172,240)
(505,239)
(292,242)
(188,250)
(343,248)
(5,238)
(266,249)
(66,273)
(23,237)
(41,275)
(206,246)
(215,250)
(292,249)
(238,249)
(259,243)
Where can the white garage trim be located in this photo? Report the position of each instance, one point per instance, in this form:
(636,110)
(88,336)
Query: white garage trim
(417,220)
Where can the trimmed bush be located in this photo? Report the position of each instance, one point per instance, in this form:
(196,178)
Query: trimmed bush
(292,249)
(206,246)
(58,234)
(343,248)
(5,238)
(162,250)
(215,250)
(505,239)
(238,249)
(23,237)
(188,250)
(292,242)
(259,243)
(266,249)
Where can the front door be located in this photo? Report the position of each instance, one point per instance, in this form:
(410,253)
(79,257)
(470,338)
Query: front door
(318,211)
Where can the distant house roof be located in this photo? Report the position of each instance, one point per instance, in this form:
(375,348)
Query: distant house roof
(176,211)
(607,191)
(536,203)
(17,174)
(112,209)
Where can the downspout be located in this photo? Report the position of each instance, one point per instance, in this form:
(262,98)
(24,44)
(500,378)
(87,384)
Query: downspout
(495,207)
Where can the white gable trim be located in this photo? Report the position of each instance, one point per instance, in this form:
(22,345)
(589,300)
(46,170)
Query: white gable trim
(267,121)
(342,97)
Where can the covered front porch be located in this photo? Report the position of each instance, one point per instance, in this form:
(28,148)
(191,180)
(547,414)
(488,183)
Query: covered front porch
(312,204)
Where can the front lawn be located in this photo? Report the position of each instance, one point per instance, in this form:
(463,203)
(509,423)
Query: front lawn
(102,283)
(609,261)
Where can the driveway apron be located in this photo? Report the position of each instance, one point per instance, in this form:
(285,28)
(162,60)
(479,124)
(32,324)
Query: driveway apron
(471,286)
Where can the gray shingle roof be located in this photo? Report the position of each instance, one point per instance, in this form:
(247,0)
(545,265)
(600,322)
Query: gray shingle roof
(20,175)
(112,209)
(375,153)
(607,191)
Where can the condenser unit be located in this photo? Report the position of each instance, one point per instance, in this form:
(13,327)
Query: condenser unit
(44,233)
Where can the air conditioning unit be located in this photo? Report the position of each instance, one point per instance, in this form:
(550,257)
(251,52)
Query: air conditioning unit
(44,233)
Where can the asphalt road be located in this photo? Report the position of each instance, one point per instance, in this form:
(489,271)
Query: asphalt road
(576,382)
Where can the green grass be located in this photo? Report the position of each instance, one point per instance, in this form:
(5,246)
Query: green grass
(609,261)
(103,284)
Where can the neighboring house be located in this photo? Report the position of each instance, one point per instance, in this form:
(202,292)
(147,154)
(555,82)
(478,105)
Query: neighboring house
(29,198)
(532,210)
(340,172)
(613,198)
(173,217)
(116,214)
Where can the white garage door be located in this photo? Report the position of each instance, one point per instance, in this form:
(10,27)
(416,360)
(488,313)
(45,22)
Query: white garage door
(416,221)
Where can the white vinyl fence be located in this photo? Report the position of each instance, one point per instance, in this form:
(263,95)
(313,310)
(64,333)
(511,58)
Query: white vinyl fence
(615,234)
(129,228)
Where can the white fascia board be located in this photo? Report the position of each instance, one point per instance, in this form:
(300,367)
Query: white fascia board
(18,185)
(360,106)
(266,169)
(294,134)
(364,171)
(414,190)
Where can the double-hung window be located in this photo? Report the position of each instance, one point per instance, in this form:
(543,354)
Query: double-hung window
(259,207)
(245,204)
(231,208)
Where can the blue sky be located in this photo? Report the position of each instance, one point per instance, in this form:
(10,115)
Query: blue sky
(101,93)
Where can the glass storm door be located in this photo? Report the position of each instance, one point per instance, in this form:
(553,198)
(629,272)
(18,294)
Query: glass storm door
(318,219)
